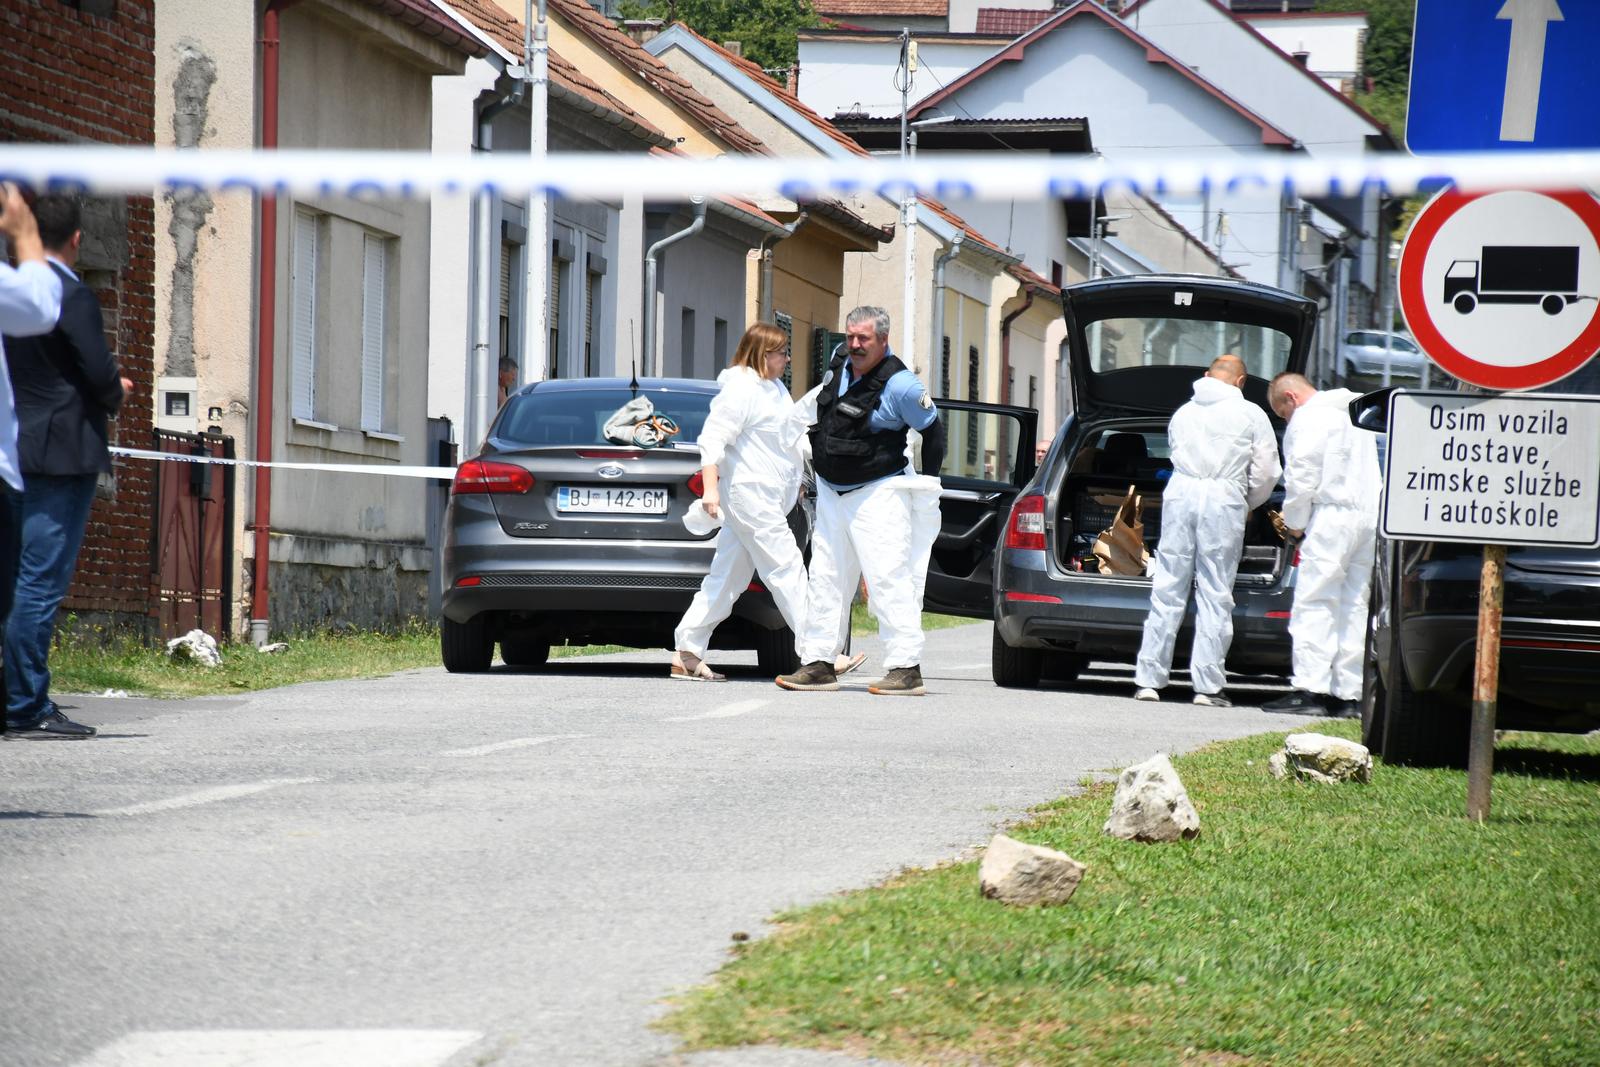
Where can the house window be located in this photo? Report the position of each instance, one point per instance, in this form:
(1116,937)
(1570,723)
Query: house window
(719,342)
(786,324)
(686,343)
(559,269)
(972,394)
(508,253)
(591,319)
(303,327)
(944,367)
(374,330)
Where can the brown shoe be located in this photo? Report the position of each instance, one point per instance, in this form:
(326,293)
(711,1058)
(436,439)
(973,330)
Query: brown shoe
(818,675)
(900,682)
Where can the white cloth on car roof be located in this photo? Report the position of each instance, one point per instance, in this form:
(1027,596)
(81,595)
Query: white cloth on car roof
(1332,489)
(1224,464)
(752,436)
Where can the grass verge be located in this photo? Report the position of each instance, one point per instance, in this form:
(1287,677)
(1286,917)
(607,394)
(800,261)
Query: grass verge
(862,620)
(1307,924)
(83,666)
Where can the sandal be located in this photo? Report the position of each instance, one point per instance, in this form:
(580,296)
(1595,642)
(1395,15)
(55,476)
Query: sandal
(845,664)
(688,667)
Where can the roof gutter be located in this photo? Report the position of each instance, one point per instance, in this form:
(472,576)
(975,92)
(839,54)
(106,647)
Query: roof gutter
(483,372)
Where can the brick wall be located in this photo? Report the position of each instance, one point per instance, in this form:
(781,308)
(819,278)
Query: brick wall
(84,70)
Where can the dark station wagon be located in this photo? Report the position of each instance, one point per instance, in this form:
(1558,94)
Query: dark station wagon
(1136,345)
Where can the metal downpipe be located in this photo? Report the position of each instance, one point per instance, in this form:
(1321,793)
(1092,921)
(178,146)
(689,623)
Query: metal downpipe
(652,352)
(937,340)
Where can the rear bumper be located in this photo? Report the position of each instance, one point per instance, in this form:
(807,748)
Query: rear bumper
(1103,616)
(1547,670)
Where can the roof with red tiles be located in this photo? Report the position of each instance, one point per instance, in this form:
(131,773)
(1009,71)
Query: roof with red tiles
(1012,21)
(506,31)
(1270,134)
(428,20)
(884,8)
(1032,279)
(663,79)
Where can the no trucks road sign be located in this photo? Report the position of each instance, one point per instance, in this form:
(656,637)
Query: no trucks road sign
(1500,289)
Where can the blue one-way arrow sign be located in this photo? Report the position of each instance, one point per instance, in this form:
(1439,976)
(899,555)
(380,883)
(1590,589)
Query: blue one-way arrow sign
(1504,74)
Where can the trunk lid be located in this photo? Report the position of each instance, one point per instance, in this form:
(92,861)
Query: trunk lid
(1137,343)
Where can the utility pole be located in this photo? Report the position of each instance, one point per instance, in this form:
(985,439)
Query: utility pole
(536,303)
(908,203)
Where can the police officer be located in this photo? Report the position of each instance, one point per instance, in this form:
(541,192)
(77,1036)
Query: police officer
(874,517)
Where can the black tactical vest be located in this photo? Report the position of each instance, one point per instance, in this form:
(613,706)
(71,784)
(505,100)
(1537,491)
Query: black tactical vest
(844,448)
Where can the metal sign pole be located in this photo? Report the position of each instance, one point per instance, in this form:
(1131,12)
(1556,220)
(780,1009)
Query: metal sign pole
(1485,682)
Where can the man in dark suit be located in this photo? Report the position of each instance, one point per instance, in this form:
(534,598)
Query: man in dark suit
(66,384)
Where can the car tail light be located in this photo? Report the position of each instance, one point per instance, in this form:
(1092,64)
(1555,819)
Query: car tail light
(488,476)
(697,484)
(1025,527)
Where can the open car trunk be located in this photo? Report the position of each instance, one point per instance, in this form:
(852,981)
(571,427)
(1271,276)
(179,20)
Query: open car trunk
(1135,454)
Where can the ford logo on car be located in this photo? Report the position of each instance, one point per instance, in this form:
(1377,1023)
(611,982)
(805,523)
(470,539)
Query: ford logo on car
(611,470)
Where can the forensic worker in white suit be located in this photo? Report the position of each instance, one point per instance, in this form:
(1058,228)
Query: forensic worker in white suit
(750,463)
(875,517)
(1332,488)
(1224,465)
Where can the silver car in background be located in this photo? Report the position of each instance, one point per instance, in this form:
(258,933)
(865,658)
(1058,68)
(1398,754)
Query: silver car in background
(1362,354)
(556,533)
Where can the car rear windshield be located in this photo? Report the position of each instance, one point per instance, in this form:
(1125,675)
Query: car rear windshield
(578,417)
(1150,341)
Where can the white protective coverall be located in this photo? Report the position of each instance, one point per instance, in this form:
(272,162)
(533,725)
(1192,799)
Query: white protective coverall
(753,435)
(1224,465)
(1332,489)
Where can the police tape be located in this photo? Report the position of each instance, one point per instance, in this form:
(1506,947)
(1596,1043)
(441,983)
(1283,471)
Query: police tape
(446,473)
(598,176)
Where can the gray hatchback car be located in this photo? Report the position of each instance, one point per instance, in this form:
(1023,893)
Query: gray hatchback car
(1136,345)
(557,532)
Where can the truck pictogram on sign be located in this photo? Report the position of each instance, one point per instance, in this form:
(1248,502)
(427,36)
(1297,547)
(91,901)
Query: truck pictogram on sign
(1546,275)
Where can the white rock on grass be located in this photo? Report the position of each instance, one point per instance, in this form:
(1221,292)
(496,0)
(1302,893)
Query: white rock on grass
(1015,872)
(196,646)
(1151,804)
(276,646)
(1320,758)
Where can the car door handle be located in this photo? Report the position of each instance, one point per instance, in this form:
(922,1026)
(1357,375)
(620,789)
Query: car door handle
(967,536)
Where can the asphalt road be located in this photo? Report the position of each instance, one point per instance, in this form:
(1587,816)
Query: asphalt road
(513,868)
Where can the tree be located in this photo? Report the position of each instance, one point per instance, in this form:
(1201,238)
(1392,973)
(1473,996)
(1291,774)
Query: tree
(766,28)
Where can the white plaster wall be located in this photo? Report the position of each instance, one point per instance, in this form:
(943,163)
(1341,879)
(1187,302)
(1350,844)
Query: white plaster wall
(451,274)
(1333,41)
(857,74)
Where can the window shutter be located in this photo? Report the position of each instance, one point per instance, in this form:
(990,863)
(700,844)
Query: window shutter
(505,279)
(591,313)
(972,394)
(786,324)
(374,272)
(944,366)
(303,339)
(553,356)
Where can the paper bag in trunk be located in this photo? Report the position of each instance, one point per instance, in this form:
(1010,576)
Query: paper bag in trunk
(1120,546)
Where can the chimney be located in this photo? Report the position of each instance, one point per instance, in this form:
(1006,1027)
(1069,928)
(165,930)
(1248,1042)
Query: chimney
(736,47)
(1303,58)
(792,80)
(641,30)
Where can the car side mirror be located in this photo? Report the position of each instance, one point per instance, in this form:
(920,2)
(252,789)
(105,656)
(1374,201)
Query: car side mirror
(1371,411)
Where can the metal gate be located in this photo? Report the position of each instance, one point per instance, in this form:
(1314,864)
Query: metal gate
(193,547)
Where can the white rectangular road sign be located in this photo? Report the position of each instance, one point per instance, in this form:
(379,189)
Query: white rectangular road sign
(1510,469)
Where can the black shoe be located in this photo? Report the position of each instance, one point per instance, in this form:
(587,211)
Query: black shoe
(899,682)
(818,675)
(1343,709)
(1299,702)
(52,725)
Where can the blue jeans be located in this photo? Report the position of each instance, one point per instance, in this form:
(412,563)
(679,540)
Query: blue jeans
(49,516)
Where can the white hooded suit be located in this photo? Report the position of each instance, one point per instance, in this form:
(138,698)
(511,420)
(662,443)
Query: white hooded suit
(1224,464)
(753,435)
(1332,489)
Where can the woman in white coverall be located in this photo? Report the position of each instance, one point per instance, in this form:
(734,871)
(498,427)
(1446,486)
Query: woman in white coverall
(1332,488)
(750,455)
(1224,465)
